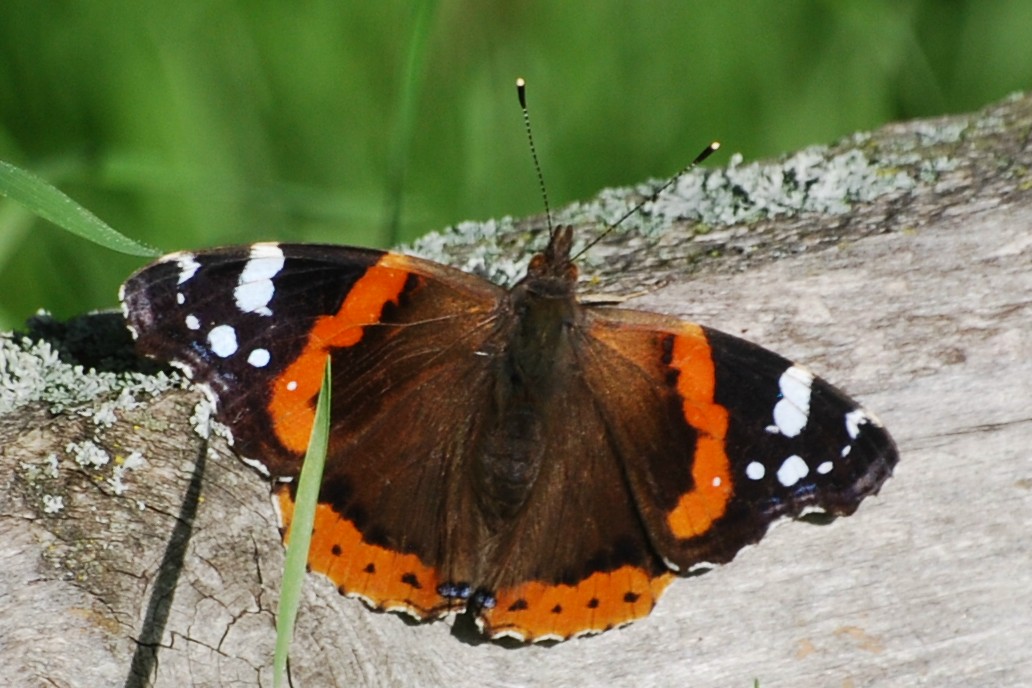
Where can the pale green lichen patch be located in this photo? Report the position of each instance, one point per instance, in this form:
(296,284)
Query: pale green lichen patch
(88,454)
(480,254)
(201,418)
(53,504)
(818,180)
(810,181)
(134,461)
(203,422)
(32,371)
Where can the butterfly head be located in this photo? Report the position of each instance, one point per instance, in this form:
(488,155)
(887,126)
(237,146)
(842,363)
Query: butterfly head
(552,272)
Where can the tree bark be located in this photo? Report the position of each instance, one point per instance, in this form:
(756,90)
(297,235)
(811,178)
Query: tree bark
(896,264)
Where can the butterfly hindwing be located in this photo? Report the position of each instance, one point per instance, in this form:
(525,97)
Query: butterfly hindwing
(574,558)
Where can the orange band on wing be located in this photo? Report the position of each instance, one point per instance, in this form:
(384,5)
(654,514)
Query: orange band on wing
(387,580)
(711,470)
(537,611)
(292,406)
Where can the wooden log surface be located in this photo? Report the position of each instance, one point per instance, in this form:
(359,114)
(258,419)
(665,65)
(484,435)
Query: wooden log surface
(136,551)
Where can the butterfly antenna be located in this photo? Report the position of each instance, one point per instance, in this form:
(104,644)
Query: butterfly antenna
(706,152)
(521,93)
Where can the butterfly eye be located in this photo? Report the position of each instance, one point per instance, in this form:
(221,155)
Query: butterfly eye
(537,263)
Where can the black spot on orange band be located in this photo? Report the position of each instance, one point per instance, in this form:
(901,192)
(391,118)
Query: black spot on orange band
(384,578)
(536,610)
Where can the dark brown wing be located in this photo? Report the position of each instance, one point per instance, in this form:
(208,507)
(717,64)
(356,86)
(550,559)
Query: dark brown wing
(577,558)
(723,437)
(254,325)
(657,445)
(669,448)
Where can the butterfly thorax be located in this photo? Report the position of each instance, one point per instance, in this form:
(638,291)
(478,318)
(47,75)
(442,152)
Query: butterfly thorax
(538,355)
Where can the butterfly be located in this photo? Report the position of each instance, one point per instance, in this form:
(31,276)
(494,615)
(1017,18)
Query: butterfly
(544,465)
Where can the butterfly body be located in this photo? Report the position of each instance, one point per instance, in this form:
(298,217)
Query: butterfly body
(544,465)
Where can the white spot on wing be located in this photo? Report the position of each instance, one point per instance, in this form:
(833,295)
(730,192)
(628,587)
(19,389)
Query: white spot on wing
(793,410)
(368,601)
(260,467)
(755,470)
(259,358)
(825,468)
(292,385)
(854,419)
(555,637)
(792,470)
(508,633)
(180,299)
(222,340)
(255,289)
(716,481)
(188,266)
(192,322)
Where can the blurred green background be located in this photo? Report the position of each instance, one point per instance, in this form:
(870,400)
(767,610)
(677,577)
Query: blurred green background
(189,124)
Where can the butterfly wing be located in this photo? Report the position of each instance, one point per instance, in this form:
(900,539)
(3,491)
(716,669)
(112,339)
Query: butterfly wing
(576,559)
(727,436)
(405,337)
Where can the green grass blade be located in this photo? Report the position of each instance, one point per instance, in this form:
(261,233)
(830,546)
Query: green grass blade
(300,536)
(405,125)
(50,203)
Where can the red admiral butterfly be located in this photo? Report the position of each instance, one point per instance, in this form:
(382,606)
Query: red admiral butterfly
(544,464)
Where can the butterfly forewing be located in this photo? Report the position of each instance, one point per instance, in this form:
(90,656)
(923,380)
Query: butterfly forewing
(735,436)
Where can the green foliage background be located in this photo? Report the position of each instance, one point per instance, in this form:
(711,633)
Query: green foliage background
(186,124)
